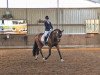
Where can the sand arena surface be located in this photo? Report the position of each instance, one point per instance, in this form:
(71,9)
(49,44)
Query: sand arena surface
(77,62)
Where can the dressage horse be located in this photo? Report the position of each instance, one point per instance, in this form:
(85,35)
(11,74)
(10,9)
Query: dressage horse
(53,40)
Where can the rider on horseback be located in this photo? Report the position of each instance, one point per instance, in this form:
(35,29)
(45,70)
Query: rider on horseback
(48,28)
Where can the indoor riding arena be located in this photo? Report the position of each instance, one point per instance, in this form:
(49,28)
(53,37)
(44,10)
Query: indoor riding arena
(20,23)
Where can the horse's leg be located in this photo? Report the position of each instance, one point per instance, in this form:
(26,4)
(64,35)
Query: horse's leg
(37,53)
(40,47)
(41,53)
(59,53)
(49,53)
(36,57)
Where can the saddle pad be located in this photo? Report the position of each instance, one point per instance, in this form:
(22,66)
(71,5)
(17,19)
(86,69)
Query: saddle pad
(42,38)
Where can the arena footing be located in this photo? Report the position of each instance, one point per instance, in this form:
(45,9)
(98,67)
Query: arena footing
(61,46)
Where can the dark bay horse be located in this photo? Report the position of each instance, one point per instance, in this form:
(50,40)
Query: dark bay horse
(53,40)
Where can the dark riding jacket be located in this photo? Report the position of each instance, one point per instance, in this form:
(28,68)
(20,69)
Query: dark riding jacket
(48,25)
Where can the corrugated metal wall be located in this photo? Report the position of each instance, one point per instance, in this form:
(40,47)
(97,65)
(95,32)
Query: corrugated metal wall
(35,29)
(35,14)
(78,16)
(2,11)
(39,28)
(71,20)
(74,29)
(18,13)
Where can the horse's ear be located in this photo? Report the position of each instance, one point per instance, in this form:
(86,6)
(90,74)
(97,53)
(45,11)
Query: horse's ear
(62,30)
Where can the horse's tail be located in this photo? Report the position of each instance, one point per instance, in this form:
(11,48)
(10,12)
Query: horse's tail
(35,49)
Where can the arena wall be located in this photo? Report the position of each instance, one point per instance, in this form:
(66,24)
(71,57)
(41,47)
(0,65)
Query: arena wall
(75,40)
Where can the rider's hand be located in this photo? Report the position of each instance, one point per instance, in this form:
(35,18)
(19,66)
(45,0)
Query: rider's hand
(51,29)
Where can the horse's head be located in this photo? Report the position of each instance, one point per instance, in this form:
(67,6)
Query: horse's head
(58,34)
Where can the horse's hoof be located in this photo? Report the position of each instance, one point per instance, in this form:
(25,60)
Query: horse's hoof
(44,59)
(62,60)
(36,57)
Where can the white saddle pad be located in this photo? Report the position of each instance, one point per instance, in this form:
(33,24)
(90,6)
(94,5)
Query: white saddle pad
(42,38)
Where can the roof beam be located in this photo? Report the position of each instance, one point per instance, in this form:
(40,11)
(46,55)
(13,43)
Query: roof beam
(95,1)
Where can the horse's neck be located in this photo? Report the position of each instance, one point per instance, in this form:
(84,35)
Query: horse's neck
(53,37)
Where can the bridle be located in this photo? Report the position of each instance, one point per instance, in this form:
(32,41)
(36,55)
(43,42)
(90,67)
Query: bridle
(57,35)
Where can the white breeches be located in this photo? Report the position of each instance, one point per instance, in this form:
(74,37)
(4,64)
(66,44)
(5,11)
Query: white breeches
(45,34)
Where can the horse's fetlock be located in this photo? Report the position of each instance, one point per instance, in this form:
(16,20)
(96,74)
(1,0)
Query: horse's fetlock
(44,59)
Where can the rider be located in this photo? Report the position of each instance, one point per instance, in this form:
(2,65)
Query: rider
(48,28)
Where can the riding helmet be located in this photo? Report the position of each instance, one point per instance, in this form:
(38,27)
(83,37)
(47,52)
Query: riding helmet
(46,17)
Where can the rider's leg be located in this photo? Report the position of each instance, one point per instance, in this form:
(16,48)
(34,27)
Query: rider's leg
(45,38)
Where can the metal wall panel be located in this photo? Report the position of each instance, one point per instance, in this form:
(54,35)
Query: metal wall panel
(2,12)
(78,16)
(39,28)
(68,29)
(18,13)
(66,16)
(73,29)
(35,29)
(35,14)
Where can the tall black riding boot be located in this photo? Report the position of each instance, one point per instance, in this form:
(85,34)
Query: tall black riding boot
(45,40)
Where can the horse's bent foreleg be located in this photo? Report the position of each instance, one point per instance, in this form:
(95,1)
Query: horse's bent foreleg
(49,53)
(41,53)
(59,53)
